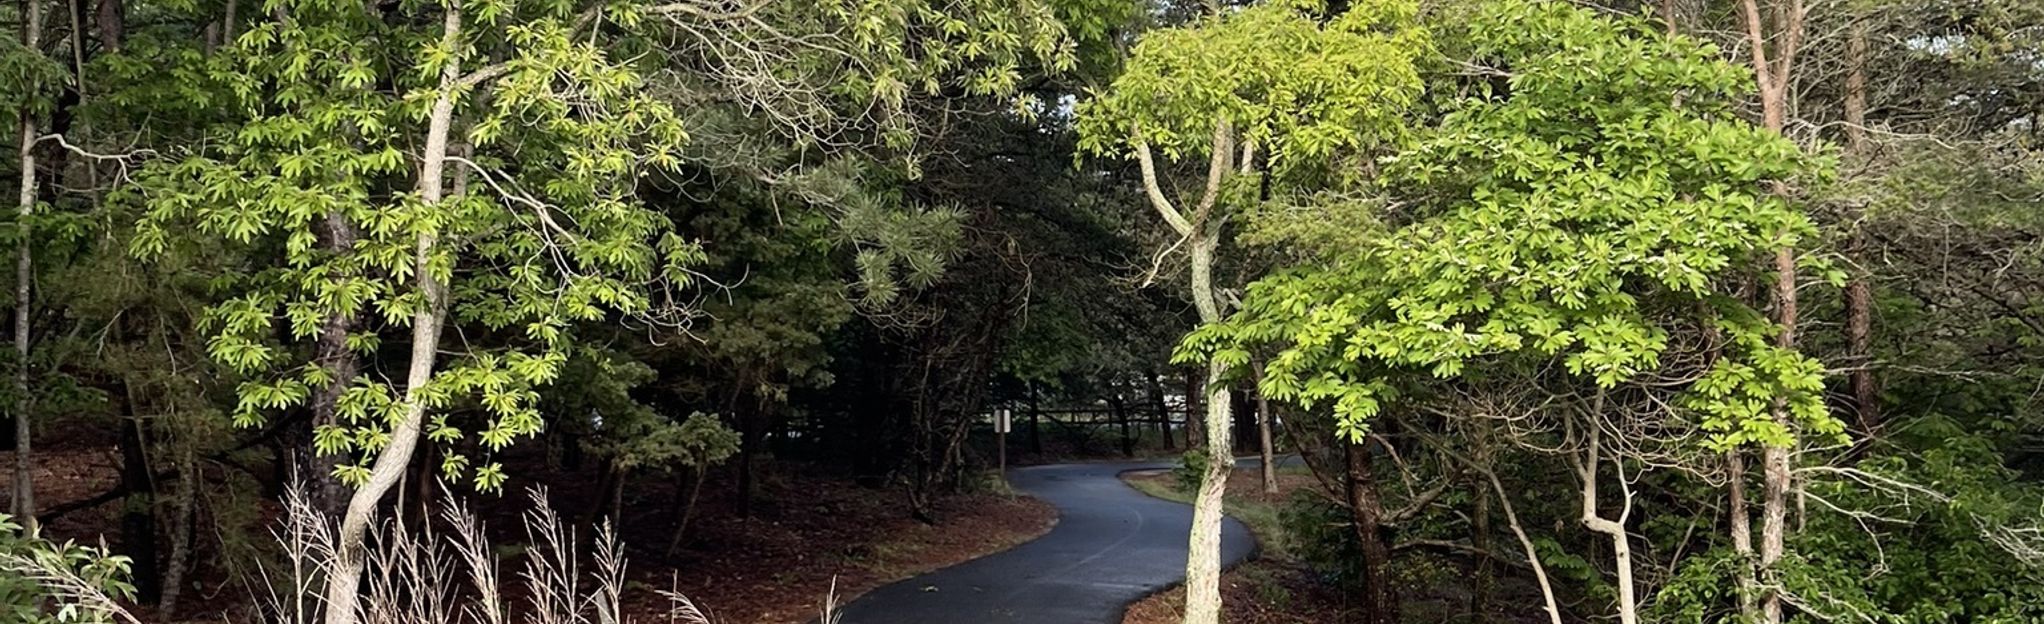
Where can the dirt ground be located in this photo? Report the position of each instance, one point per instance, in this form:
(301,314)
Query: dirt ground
(810,529)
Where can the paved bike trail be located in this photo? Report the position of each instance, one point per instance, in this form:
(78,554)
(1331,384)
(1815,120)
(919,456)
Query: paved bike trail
(1112,545)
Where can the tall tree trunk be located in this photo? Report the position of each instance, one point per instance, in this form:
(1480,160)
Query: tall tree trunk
(315,471)
(1740,525)
(1859,298)
(346,575)
(1120,406)
(1203,231)
(1266,447)
(24,272)
(1035,424)
(184,510)
(1203,556)
(1486,567)
(1773,42)
(1366,519)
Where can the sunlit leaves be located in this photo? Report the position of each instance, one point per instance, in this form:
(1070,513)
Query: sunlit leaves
(1583,215)
(542,231)
(1297,86)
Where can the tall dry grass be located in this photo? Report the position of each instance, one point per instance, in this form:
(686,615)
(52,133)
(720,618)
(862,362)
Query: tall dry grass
(440,572)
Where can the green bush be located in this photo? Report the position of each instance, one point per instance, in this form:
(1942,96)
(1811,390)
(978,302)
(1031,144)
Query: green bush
(1190,471)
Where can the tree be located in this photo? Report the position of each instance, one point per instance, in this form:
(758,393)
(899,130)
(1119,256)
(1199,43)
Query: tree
(1550,226)
(553,238)
(1272,81)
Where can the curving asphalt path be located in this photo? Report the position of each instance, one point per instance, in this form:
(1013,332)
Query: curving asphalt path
(1112,546)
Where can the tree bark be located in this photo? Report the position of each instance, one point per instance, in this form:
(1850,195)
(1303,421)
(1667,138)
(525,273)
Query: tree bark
(346,575)
(1621,544)
(112,24)
(1366,519)
(1859,298)
(1203,232)
(184,512)
(1740,525)
(1773,43)
(323,490)
(24,272)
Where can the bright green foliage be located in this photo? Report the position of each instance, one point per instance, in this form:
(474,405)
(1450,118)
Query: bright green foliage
(1301,88)
(38,579)
(331,102)
(1583,199)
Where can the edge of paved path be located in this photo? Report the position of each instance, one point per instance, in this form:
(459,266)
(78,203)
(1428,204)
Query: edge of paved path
(1120,467)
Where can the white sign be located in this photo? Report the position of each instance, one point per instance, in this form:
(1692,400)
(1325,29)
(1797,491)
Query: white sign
(1001,420)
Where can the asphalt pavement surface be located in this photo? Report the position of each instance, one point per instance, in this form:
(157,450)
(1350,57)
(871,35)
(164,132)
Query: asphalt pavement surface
(1112,546)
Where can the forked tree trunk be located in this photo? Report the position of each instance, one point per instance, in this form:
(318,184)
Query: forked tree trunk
(1773,41)
(346,576)
(24,271)
(1613,529)
(1203,233)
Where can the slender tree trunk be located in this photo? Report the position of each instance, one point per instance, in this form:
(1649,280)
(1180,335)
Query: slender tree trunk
(694,482)
(1740,525)
(1773,41)
(1203,556)
(184,512)
(1035,424)
(1366,519)
(346,575)
(24,272)
(1195,393)
(1266,446)
(1859,298)
(1157,405)
(1621,544)
(1486,567)
(138,510)
(1120,407)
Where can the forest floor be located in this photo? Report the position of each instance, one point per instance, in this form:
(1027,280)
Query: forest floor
(810,532)
(1272,588)
(1278,587)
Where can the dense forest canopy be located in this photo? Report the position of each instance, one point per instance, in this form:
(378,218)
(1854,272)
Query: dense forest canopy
(1670,311)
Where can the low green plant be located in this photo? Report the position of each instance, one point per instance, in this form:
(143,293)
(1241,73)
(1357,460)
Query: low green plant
(43,582)
(1187,474)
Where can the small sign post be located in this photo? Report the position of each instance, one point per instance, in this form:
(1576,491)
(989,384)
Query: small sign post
(1001,433)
